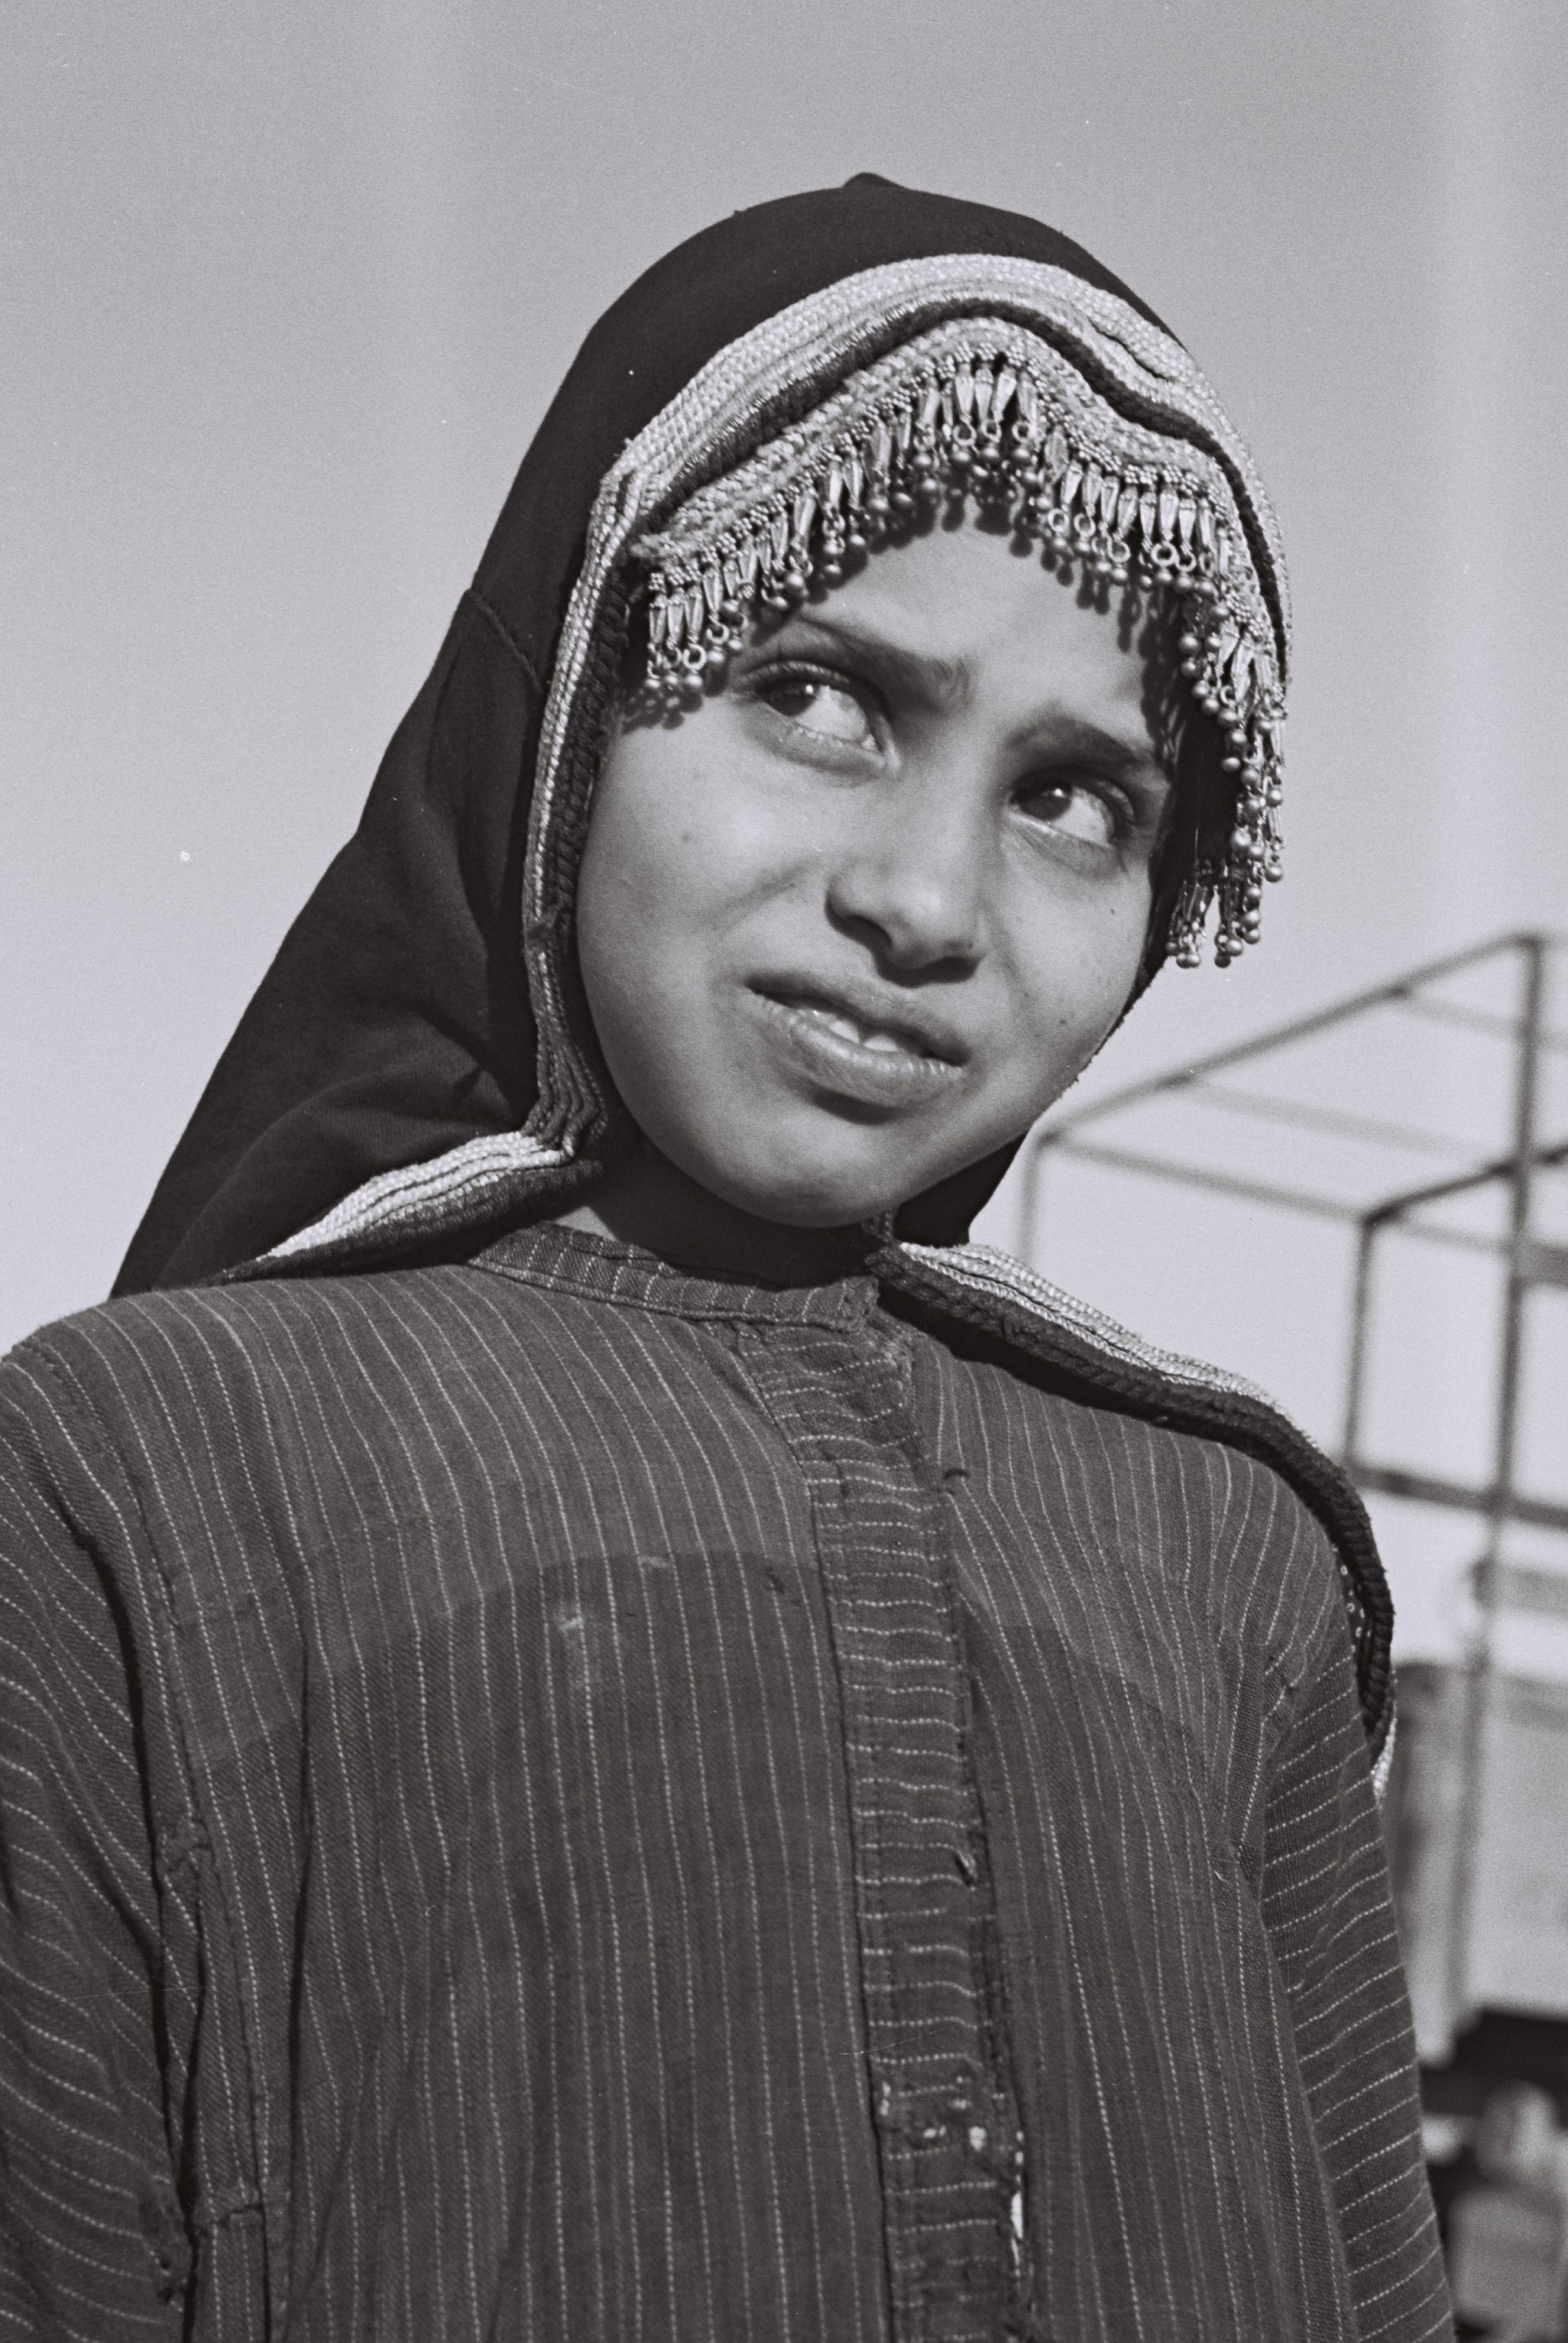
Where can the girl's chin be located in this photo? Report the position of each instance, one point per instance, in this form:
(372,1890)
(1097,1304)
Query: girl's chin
(812,1203)
(810,1169)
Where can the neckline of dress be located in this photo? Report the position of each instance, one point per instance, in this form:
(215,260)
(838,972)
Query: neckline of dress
(605,1268)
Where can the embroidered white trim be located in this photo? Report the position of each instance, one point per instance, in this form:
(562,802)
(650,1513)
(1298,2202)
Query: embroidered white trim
(986,1270)
(422,1194)
(1385,1764)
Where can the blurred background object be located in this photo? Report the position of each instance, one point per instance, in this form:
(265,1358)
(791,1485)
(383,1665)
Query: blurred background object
(1509,2234)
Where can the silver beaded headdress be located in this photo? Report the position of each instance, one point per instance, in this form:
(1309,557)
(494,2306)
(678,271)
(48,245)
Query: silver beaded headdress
(984,409)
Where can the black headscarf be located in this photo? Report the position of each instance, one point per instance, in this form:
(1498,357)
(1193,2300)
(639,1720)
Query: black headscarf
(395,1023)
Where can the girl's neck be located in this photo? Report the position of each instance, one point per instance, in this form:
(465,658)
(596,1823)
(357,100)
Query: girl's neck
(644,1200)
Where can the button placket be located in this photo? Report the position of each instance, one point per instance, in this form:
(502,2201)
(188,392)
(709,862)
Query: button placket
(941,2098)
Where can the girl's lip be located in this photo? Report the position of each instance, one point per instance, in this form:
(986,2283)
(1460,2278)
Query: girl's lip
(895,1076)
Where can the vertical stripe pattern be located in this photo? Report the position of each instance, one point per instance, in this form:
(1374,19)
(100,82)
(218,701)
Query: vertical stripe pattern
(553,1799)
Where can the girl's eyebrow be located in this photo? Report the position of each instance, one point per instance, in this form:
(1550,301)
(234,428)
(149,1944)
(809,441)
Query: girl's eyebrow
(1123,759)
(943,686)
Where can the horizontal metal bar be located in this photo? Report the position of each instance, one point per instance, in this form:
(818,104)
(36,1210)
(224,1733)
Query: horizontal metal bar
(1301,1116)
(1265,1192)
(1501,1167)
(1516,1587)
(1479,1021)
(1456,1240)
(1427,1488)
(1193,1175)
(1301,1029)
(1543,1264)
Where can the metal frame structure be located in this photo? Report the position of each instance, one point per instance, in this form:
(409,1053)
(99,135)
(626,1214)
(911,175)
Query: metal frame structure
(1529,1261)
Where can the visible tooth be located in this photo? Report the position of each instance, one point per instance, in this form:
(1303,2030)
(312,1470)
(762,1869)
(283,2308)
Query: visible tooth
(870,1037)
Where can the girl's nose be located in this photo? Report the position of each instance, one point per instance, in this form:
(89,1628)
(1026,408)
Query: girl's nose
(910,878)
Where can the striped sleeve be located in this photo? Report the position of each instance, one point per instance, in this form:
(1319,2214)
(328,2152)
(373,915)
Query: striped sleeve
(91,2240)
(1327,1906)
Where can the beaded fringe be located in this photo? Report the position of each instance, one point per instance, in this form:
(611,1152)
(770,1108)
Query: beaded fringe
(981,408)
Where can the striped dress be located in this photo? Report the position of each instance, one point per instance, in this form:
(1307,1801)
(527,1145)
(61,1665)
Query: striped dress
(553,1798)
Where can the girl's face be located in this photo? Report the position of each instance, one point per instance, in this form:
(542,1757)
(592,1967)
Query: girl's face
(856,920)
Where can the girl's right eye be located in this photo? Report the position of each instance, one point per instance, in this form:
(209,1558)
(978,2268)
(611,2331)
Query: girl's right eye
(815,704)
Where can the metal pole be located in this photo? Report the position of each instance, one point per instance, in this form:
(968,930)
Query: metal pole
(1029,1187)
(1361,1313)
(1483,1666)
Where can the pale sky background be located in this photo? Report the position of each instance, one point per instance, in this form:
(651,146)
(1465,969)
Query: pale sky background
(287,290)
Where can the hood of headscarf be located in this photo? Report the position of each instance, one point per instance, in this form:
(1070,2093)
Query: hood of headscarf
(403,1073)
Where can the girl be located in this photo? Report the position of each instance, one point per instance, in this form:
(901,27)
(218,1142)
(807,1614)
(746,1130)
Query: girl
(610,1731)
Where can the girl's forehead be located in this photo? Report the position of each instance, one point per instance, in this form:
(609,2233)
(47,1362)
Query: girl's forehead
(955,617)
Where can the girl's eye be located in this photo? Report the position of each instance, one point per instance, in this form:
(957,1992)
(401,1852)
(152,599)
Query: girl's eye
(1074,811)
(831,710)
